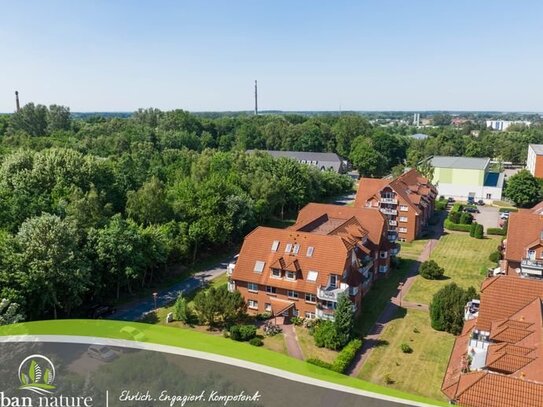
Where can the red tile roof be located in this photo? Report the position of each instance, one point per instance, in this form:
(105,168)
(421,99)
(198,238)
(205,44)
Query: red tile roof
(523,228)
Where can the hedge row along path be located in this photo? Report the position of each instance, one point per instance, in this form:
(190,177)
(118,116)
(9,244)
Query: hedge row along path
(371,340)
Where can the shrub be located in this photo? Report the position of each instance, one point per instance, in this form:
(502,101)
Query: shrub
(441,205)
(454,217)
(447,308)
(263,316)
(496,231)
(508,210)
(406,348)
(182,311)
(346,356)
(479,232)
(242,332)
(495,257)
(319,362)
(457,227)
(430,270)
(297,321)
(325,335)
(466,218)
(226,334)
(457,207)
(256,341)
(472,228)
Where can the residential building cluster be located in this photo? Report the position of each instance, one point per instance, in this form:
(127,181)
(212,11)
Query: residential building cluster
(330,250)
(534,162)
(503,125)
(323,161)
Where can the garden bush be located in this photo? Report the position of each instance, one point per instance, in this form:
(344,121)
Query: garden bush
(346,356)
(406,348)
(325,335)
(455,226)
(472,228)
(495,257)
(264,316)
(466,218)
(256,341)
(297,321)
(508,210)
(496,231)
(430,270)
(319,362)
(242,332)
(454,217)
(479,232)
(441,205)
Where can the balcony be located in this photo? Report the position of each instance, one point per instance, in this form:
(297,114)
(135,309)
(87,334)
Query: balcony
(532,267)
(395,250)
(325,314)
(393,222)
(389,211)
(392,236)
(367,264)
(331,293)
(392,201)
(231,286)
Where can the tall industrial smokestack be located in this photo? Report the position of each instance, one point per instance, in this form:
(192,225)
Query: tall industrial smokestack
(17,101)
(256,97)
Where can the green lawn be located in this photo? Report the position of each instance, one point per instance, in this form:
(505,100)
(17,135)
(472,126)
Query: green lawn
(307,344)
(462,257)
(420,372)
(413,249)
(380,294)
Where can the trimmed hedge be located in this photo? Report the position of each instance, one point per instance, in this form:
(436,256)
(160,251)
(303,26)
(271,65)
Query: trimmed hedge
(242,332)
(496,231)
(320,363)
(441,205)
(256,341)
(455,226)
(346,356)
(457,207)
(508,210)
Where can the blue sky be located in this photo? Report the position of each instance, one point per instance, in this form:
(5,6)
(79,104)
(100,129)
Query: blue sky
(307,55)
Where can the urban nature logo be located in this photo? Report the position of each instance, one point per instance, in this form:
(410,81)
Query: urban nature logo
(37,374)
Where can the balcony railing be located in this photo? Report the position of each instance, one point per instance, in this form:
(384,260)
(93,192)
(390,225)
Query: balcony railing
(331,293)
(395,250)
(392,235)
(532,264)
(392,201)
(393,222)
(325,314)
(388,211)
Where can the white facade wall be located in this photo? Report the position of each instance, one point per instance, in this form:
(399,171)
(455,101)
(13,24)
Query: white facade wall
(530,161)
(462,192)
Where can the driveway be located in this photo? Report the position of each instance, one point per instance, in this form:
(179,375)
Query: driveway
(489,217)
(136,310)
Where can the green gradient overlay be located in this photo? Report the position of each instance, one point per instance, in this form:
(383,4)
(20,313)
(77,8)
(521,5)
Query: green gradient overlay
(198,341)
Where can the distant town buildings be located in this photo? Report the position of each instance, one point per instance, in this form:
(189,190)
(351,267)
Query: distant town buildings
(302,270)
(503,125)
(534,162)
(323,161)
(407,202)
(466,178)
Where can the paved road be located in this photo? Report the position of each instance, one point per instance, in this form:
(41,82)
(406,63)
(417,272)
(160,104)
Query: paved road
(372,339)
(136,310)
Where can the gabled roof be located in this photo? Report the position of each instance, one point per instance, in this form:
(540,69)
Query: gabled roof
(467,163)
(368,188)
(523,228)
(303,155)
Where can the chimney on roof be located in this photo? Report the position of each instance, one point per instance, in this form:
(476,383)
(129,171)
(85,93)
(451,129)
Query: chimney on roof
(17,106)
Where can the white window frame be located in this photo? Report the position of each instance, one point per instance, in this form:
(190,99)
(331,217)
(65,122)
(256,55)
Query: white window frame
(275,246)
(252,304)
(312,298)
(268,307)
(312,275)
(252,287)
(295,312)
(404,208)
(288,247)
(270,289)
(403,219)
(309,252)
(290,275)
(273,273)
(296,248)
(384,254)
(402,230)
(259,266)
(310,315)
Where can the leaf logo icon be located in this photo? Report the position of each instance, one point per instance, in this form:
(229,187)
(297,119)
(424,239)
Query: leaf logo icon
(37,373)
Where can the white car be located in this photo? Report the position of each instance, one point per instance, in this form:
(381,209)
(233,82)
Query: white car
(504,215)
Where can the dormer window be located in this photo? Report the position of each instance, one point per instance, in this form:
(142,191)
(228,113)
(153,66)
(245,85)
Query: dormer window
(290,275)
(275,245)
(276,273)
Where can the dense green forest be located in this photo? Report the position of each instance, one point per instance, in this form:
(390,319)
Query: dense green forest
(93,208)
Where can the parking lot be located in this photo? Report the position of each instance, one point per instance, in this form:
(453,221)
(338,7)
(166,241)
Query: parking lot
(489,216)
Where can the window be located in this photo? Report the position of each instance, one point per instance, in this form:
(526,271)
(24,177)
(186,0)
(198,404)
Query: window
(310,297)
(259,266)
(402,230)
(290,275)
(403,218)
(252,287)
(292,294)
(404,208)
(383,269)
(531,254)
(309,252)
(312,276)
(333,280)
(268,307)
(252,304)
(488,196)
(276,273)
(310,315)
(295,312)
(288,248)
(271,290)
(384,255)
(296,249)
(275,245)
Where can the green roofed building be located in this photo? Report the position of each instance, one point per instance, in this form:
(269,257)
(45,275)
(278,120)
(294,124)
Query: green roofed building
(465,177)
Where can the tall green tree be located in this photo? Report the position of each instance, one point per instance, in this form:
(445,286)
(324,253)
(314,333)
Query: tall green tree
(148,205)
(447,308)
(523,189)
(366,159)
(30,119)
(344,320)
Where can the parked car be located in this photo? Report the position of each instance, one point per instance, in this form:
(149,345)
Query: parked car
(451,200)
(102,353)
(471,209)
(101,311)
(504,215)
(480,202)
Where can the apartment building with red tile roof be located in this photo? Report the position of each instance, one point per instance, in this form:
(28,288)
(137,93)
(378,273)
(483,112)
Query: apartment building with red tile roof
(302,270)
(523,248)
(497,361)
(407,201)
